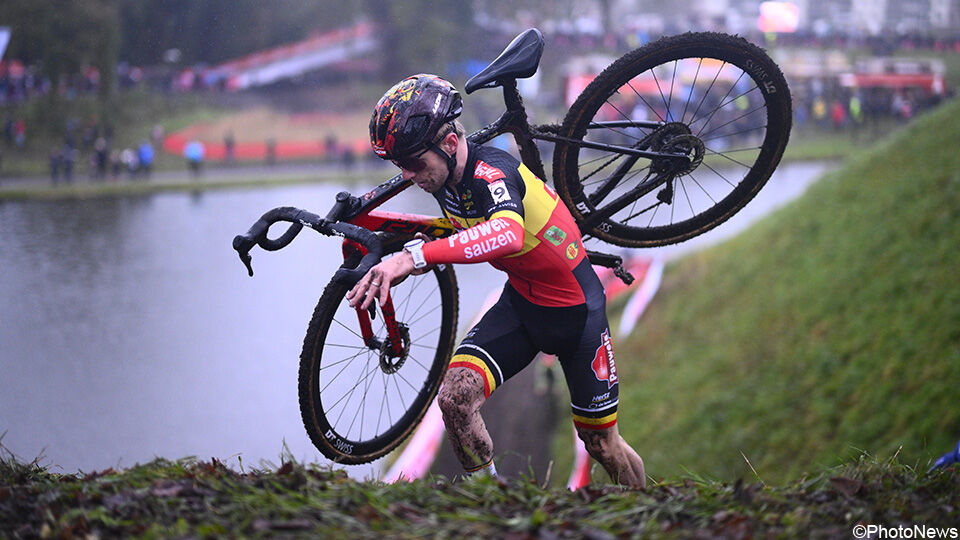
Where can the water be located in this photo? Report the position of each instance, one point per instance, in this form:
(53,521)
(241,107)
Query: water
(129,329)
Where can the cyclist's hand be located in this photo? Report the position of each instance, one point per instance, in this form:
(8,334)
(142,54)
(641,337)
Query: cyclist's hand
(377,282)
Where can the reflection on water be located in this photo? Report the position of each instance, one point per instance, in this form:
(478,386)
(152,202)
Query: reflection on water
(129,328)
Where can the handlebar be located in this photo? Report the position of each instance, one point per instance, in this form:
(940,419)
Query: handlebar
(257,236)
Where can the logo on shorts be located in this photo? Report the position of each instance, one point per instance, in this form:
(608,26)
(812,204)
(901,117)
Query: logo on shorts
(603,365)
(572,250)
(555,235)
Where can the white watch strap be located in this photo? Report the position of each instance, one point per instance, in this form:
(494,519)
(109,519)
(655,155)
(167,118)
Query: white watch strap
(415,249)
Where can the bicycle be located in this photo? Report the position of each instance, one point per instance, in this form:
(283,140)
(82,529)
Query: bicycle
(697,119)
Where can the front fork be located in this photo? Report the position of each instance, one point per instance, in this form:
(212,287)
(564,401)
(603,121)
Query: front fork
(364,316)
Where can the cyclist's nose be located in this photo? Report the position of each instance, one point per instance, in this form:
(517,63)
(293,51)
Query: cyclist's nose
(407,175)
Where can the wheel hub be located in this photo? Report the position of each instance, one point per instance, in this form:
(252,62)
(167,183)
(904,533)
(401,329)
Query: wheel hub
(390,363)
(688,144)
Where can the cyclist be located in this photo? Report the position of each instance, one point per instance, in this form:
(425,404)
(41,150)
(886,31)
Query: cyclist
(553,300)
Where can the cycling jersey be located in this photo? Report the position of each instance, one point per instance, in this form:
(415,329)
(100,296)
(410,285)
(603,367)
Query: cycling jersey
(553,301)
(500,206)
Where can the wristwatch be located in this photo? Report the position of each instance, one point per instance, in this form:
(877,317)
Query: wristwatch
(415,249)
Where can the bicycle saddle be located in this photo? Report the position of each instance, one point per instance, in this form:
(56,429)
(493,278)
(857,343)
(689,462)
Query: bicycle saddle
(518,61)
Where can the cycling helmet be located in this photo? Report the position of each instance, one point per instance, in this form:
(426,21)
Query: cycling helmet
(408,117)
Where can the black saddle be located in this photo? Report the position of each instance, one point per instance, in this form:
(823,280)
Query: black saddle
(518,61)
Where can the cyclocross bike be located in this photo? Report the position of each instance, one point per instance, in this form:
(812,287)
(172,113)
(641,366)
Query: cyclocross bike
(666,143)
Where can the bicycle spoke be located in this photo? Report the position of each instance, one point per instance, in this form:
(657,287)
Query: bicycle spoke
(732,121)
(359,411)
(358,347)
(707,91)
(716,172)
(645,102)
(689,203)
(723,155)
(338,362)
(382,403)
(346,396)
(693,85)
(707,193)
(411,357)
(432,310)
(354,357)
(728,135)
(424,335)
(714,111)
(412,387)
(347,328)
(399,394)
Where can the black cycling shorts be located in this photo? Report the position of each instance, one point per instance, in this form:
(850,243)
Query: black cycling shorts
(514,330)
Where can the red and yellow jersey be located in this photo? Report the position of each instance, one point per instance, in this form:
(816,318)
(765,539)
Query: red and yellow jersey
(510,218)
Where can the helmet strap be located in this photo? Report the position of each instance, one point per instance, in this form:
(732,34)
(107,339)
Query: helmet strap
(451,162)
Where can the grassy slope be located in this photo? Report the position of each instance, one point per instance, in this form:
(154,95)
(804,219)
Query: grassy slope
(832,325)
(196,499)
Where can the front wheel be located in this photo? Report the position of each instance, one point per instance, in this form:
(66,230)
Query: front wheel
(358,399)
(710,112)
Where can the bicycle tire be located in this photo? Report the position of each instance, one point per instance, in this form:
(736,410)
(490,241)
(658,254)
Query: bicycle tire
(647,79)
(333,341)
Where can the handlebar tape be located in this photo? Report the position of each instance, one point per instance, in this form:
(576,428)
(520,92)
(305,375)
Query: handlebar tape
(257,235)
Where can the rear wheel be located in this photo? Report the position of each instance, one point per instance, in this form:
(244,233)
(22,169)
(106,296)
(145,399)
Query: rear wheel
(717,111)
(357,399)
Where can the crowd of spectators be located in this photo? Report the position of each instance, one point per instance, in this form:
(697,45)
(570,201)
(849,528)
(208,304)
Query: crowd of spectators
(832,107)
(19,83)
(93,144)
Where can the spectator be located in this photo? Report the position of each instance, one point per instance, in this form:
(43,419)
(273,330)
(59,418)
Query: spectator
(820,111)
(68,157)
(228,147)
(856,110)
(8,130)
(19,132)
(115,164)
(145,156)
(838,115)
(156,135)
(331,147)
(129,159)
(271,151)
(55,165)
(194,152)
(100,152)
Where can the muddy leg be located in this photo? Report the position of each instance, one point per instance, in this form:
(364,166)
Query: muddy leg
(460,399)
(617,457)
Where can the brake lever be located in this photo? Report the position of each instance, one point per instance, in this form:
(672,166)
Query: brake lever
(243,246)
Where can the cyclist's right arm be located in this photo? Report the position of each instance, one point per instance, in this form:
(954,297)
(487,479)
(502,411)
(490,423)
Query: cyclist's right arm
(498,237)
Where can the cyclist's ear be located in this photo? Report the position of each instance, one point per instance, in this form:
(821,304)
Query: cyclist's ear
(450,143)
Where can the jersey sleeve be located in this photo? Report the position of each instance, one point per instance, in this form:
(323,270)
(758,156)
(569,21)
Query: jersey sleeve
(500,236)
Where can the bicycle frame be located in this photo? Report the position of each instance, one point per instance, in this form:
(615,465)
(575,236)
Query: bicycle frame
(360,211)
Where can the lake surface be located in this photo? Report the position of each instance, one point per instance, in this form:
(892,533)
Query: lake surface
(129,328)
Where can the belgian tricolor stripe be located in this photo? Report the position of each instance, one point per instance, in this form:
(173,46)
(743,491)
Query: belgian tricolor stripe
(595,423)
(478,365)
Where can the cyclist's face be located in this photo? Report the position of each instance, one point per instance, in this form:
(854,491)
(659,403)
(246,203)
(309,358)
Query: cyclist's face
(427,171)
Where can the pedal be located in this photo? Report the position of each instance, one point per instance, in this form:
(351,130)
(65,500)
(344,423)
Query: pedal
(623,274)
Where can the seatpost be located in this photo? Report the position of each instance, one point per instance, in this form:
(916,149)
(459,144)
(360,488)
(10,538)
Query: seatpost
(519,126)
